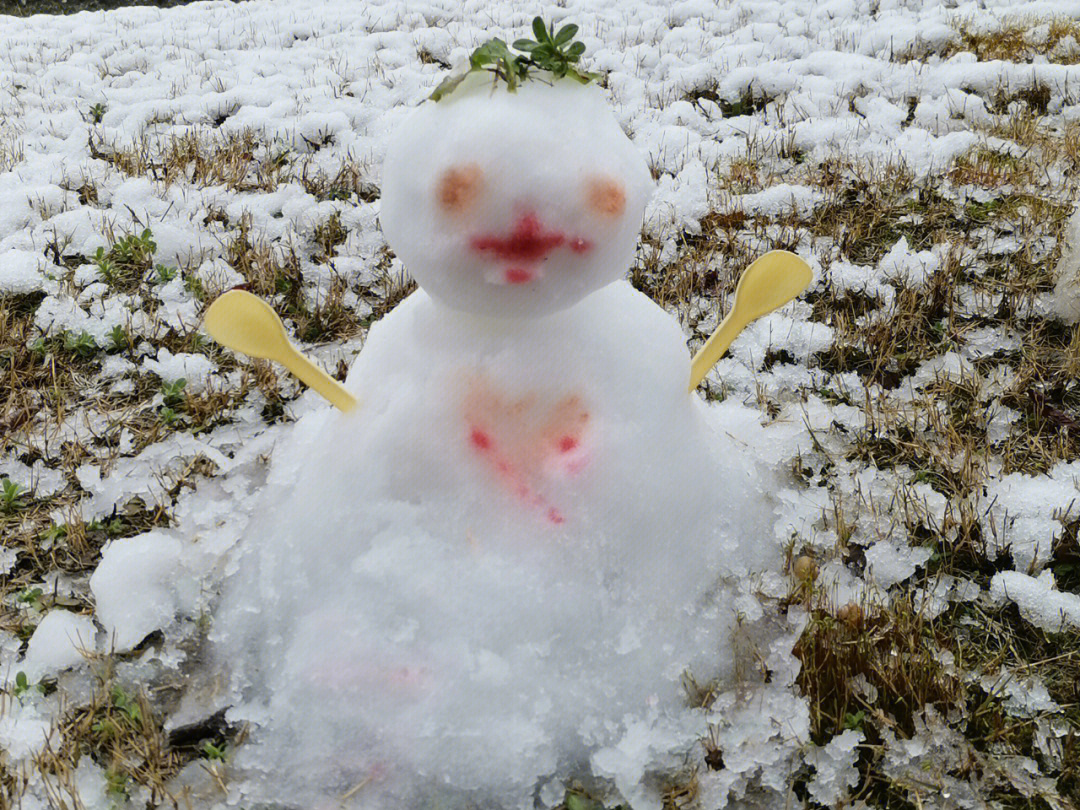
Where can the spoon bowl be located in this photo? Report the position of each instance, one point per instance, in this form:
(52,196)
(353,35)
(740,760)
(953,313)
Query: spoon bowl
(767,284)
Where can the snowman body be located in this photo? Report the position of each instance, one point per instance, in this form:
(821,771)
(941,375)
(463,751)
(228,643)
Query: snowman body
(519,541)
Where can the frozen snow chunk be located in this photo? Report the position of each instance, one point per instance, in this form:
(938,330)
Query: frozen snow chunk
(178,309)
(141,584)
(42,481)
(1025,513)
(179,245)
(834,764)
(947,366)
(1039,602)
(146,476)
(646,743)
(679,202)
(780,199)
(24,729)
(912,268)
(8,558)
(1066,298)
(116,366)
(61,313)
(890,563)
(58,643)
(21,272)
(777,331)
(881,113)
(92,786)
(195,368)
(316,129)
(1024,697)
(860,278)
(217,276)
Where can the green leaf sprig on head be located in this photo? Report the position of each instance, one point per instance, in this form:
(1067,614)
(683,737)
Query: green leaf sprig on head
(553,51)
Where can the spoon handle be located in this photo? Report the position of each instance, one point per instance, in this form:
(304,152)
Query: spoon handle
(317,379)
(715,346)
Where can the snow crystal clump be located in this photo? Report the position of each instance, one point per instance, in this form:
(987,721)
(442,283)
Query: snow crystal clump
(58,643)
(25,728)
(1038,599)
(834,764)
(20,272)
(1066,300)
(194,368)
(140,585)
(1026,513)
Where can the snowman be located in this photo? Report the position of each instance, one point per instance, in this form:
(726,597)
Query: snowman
(525,533)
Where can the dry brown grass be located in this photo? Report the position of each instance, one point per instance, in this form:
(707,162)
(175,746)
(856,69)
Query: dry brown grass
(1019,40)
(243,162)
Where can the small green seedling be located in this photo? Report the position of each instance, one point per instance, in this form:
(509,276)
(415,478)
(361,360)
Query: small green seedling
(30,596)
(854,721)
(97,112)
(119,339)
(11,495)
(58,531)
(165,274)
(81,345)
(127,260)
(213,752)
(116,783)
(552,51)
(23,685)
(173,392)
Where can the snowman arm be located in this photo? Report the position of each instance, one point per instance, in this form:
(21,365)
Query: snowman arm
(317,379)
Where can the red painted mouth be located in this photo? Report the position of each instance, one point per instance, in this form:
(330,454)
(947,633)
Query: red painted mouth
(517,275)
(527,243)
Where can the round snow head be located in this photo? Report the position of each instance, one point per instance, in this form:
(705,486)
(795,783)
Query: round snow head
(514,204)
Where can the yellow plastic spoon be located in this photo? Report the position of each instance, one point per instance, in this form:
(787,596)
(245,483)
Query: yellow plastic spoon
(245,323)
(767,284)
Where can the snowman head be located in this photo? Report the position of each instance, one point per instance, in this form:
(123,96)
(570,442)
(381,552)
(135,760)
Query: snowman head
(514,204)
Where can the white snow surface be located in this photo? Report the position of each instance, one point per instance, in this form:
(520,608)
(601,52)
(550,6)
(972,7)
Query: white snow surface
(154,566)
(59,642)
(546,651)
(1038,599)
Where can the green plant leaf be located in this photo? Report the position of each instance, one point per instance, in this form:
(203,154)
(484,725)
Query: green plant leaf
(539,31)
(566,33)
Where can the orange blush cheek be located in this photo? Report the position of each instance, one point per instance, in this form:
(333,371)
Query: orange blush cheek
(459,187)
(607,197)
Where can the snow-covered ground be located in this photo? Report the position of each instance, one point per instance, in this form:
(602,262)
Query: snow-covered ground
(248,140)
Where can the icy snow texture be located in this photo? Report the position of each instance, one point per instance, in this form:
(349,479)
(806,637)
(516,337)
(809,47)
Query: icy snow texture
(834,764)
(528,524)
(139,586)
(1025,513)
(58,643)
(194,369)
(1067,289)
(20,273)
(1038,599)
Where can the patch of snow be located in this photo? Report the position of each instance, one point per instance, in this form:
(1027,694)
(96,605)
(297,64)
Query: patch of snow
(1038,599)
(196,369)
(141,584)
(58,642)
